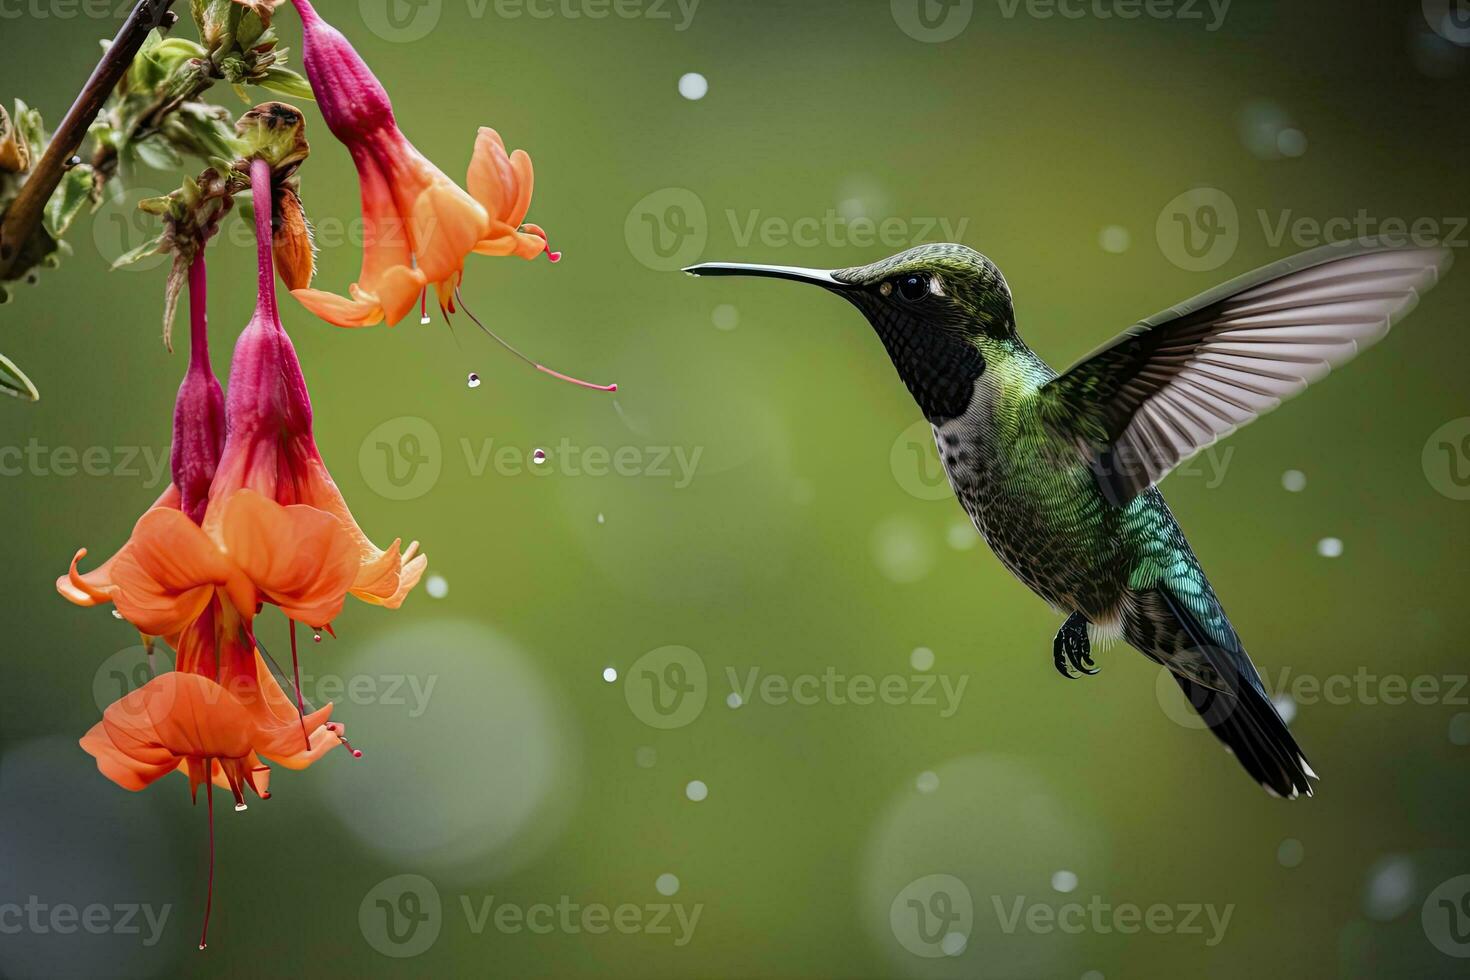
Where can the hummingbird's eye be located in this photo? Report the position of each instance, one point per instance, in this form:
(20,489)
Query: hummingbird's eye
(913,287)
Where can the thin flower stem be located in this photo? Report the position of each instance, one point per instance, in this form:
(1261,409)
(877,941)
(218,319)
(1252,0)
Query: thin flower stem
(209,889)
(24,214)
(296,679)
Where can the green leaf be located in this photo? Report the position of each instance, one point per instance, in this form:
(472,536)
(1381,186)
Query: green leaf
(68,200)
(284,81)
(13,381)
(142,251)
(157,154)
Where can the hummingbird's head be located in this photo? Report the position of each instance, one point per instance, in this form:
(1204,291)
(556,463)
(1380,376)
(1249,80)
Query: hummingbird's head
(937,309)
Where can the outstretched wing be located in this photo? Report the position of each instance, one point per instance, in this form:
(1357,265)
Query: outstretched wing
(1190,375)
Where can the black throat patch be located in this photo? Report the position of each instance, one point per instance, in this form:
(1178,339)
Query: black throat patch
(939,366)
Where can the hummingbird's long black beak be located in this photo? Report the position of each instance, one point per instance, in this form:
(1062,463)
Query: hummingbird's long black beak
(815,277)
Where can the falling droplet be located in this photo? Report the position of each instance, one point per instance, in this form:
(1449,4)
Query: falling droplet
(610,674)
(538,457)
(426,320)
(241,806)
(473,381)
(601,519)
(316,636)
(116,614)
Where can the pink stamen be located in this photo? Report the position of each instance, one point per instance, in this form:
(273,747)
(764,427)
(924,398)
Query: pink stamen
(209,891)
(538,366)
(576,381)
(296,675)
(338,731)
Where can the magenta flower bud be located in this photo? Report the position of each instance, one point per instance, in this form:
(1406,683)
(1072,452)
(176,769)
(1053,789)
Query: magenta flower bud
(199,412)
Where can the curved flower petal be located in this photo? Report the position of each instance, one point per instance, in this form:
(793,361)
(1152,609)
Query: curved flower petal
(300,557)
(149,732)
(96,587)
(384,577)
(168,573)
(502,184)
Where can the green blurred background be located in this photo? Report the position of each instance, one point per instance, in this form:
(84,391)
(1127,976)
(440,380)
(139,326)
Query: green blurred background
(502,767)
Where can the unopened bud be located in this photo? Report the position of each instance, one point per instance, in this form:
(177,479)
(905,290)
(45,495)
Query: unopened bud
(291,241)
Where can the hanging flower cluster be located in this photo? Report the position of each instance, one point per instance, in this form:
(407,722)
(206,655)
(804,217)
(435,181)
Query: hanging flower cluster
(252,518)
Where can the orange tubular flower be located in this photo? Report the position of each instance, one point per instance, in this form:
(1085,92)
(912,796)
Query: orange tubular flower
(252,517)
(418,224)
(271,449)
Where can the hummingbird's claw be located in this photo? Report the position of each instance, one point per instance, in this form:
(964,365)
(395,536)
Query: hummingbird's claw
(1072,648)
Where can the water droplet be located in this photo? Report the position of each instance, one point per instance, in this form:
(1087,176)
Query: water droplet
(425,320)
(693,86)
(953,943)
(538,457)
(1330,547)
(1290,853)
(667,884)
(1295,481)
(733,699)
(1390,889)
(116,614)
(241,806)
(1064,881)
(1285,707)
(1291,142)
(922,658)
(610,674)
(437,586)
(961,536)
(726,317)
(473,381)
(696,790)
(1114,239)
(316,636)
(927,782)
(601,519)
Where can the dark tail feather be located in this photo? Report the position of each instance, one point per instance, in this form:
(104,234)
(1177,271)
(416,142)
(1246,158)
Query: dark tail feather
(1255,734)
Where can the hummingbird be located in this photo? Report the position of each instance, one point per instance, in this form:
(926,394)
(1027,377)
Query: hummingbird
(1058,472)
